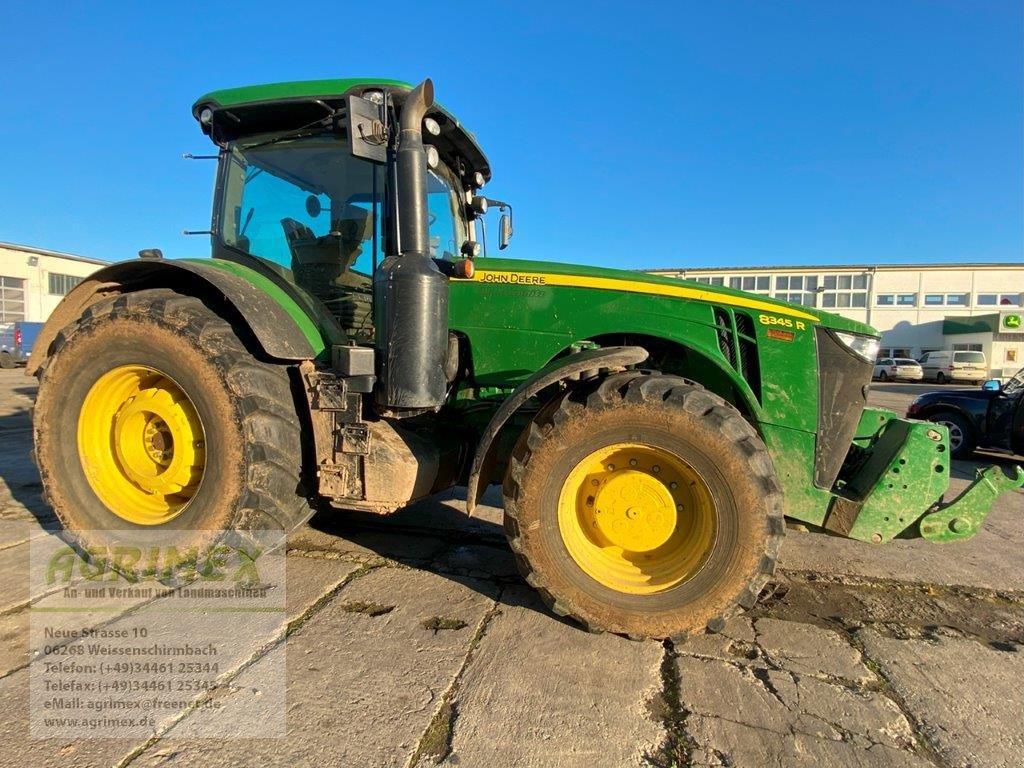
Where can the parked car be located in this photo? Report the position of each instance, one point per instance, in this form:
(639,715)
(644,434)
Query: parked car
(990,417)
(948,365)
(16,340)
(896,368)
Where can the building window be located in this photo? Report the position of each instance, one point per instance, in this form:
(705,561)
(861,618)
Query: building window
(1009,300)
(12,299)
(987,299)
(934,299)
(885,299)
(840,291)
(760,284)
(958,299)
(967,348)
(906,299)
(61,285)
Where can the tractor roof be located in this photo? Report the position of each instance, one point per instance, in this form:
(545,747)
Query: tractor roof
(281,106)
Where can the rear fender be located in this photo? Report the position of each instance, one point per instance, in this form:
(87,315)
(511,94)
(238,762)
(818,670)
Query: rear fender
(283,328)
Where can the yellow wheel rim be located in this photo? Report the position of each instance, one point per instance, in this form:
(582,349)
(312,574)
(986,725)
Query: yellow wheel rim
(141,444)
(637,519)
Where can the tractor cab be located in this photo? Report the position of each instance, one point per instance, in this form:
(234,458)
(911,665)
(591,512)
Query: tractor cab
(308,183)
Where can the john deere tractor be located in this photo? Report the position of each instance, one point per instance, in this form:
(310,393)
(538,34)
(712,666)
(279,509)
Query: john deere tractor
(349,343)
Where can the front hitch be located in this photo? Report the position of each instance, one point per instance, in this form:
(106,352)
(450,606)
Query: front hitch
(961,518)
(898,489)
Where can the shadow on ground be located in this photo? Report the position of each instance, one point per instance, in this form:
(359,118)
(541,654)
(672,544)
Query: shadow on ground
(434,535)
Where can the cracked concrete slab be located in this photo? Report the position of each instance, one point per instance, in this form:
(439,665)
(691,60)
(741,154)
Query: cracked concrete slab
(361,689)
(741,745)
(540,692)
(968,697)
(809,650)
(749,716)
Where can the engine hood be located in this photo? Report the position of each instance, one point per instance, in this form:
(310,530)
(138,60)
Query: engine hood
(600,278)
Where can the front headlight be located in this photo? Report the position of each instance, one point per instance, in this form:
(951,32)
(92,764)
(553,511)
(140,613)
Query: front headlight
(864,347)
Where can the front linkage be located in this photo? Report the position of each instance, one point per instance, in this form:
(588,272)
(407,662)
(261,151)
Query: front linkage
(902,467)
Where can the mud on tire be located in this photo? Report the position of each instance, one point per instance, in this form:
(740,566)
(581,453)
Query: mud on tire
(676,416)
(252,473)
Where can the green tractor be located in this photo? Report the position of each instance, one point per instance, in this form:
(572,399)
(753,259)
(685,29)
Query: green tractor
(346,345)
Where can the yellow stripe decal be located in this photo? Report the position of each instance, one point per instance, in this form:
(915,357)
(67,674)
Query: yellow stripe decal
(635,286)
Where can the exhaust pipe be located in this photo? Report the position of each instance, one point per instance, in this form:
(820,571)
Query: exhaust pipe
(410,294)
(413,222)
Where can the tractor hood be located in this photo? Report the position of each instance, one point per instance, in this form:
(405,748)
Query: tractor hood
(578,276)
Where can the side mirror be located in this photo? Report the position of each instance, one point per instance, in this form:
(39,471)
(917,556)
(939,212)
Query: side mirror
(313,206)
(992,385)
(504,231)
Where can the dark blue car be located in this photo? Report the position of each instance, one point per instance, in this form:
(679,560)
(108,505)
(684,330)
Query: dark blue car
(990,417)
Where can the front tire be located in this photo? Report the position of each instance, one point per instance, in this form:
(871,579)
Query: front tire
(645,506)
(152,413)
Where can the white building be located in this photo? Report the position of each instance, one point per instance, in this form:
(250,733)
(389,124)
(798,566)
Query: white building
(908,303)
(34,280)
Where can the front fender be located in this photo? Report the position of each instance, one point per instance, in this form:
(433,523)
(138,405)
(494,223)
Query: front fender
(557,370)
(282,327)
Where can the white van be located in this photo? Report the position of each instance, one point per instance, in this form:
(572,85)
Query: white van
(948,365)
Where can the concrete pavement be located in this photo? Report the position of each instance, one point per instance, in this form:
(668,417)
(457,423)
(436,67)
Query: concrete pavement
(413,641)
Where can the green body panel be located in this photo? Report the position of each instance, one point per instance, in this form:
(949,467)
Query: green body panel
(793,455)
(515,328)
(318,337)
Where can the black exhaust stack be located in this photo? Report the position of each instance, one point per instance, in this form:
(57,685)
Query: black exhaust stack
(410,294)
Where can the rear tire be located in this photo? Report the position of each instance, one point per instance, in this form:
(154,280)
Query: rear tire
(241,424)
(883,376)
(610,576)
(962,440)
(6,359)
(940,378)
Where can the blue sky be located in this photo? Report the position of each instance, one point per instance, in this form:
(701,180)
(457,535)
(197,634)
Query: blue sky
(626,134)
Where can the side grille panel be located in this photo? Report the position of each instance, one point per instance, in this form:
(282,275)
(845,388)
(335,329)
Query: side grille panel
(737,341)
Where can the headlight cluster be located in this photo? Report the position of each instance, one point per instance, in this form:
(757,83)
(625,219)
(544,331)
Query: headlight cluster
(864,347)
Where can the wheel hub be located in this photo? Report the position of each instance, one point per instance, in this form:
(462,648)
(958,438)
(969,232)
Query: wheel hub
(141,444)
(634,511)
(636,518)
